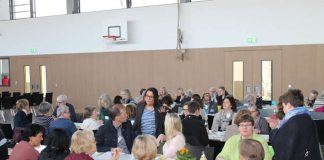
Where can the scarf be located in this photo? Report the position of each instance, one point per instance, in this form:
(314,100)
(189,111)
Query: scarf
(292,113)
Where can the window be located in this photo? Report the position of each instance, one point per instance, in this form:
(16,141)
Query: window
(139,3)
(50,7)
(98,5)
(238,83)
(4,72)
(27,78)
(266,80)
(43,85)
(21,9)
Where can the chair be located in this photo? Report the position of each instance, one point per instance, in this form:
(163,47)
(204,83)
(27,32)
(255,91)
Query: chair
(27,96)
(196,151)
(7,130)
(209,153)
(320,130)
(38,99)
(49,97)
(7,102)
(6,94)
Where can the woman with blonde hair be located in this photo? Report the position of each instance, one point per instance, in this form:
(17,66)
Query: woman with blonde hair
(83,145)
(144,147)
(251,149)
(175,138)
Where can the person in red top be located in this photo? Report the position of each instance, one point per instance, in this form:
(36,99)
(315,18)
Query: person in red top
(32,137)
(5,81)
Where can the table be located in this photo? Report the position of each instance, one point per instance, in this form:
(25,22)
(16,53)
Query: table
(107,155)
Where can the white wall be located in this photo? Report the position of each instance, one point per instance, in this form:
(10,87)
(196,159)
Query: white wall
(207,24)
(4,10)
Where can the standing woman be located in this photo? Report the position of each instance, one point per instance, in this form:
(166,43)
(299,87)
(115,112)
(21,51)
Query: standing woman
(22,118)
(104,103)
(148,119)
(222,93)
(226,116)
(23,115)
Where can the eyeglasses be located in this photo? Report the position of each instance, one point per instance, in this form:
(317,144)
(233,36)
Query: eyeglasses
(149,96)
(245,125)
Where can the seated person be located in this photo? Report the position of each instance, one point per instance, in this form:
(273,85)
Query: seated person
(3,146)
(117,132)
(251,149)
(145,147)
(231,147)
(194,128)
(63,121)
(62,100)
(57,146)
(210,107)
(261,126)
(91,119)
(226,116)
(175,138)
(43,118)
(83,145)
(32,137)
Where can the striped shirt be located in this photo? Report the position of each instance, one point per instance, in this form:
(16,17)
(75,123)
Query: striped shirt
(43,120)
(319,102)
(148,122)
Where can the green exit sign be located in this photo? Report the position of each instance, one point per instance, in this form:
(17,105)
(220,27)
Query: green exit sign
(251,40)
(33,50)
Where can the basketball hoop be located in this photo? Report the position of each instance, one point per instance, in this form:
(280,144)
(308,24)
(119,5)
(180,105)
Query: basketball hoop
(112,38)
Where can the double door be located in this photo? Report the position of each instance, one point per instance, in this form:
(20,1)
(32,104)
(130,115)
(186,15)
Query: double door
(256,72)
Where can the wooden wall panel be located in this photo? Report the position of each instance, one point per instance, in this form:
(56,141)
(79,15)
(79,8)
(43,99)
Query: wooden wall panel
(84,76)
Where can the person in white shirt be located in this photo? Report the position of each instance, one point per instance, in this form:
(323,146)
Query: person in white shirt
(91,117)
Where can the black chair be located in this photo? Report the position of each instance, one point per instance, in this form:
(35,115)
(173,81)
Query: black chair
(7,130)
(27,96)
(6,94)
(320,130)
(16,96)
(38,99)
(8,102)
(49,97)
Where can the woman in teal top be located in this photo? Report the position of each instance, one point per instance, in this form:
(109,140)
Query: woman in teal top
(231,147)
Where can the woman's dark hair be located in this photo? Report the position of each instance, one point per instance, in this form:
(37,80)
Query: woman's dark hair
(155,95)
(167,100)
(196,97)
(117,99)
(32,130)
(131,110)
(225,91)
(58,143)
(59,140)
(294,96)
(142,90)
(232,101)
(87,113)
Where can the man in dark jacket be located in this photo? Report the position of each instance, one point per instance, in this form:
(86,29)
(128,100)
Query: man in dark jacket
(295,137)
(117,132)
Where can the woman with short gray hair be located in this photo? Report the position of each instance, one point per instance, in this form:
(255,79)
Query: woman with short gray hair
(43,118)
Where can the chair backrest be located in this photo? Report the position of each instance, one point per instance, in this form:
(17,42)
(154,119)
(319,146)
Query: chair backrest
(49,97)
(209,153)
(195,150)
(8,102)
(320,130)
(6,94)
(7,130)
